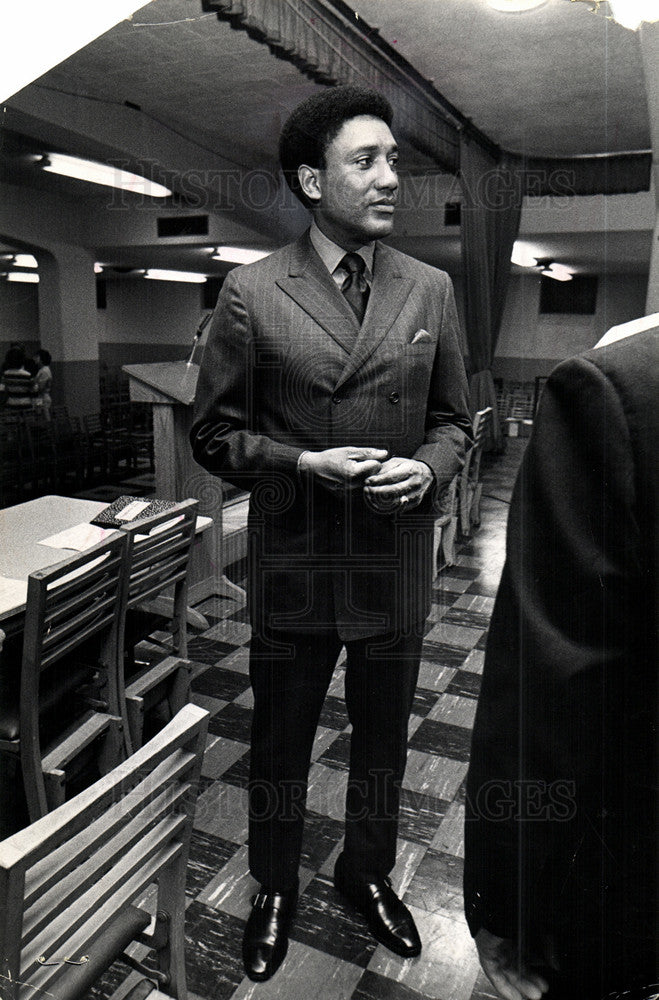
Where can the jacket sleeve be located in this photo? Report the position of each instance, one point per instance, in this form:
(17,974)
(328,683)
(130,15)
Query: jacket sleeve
(224,436)
(448,421)
(558,631)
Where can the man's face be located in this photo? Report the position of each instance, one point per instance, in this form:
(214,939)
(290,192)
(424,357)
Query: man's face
(358,184)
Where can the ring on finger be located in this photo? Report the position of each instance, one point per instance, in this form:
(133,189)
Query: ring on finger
(404,499)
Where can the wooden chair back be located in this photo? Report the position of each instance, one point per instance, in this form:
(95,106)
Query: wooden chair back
(78,600)
(159,550)
(469,490)
(158,554)
(71,883)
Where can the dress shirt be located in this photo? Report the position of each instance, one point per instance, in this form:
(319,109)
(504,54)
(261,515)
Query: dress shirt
(332,254)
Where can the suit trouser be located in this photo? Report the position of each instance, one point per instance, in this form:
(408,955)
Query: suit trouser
(290,675)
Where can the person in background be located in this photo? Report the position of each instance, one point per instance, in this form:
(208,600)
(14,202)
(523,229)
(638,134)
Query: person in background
(333,386)
(561,847)
(42,382)
(16,387)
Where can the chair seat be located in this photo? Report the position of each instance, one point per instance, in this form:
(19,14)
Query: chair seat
(64,683)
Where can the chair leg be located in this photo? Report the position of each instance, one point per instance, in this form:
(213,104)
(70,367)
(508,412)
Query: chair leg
(135,713)
(171,900)
(465,504)
(33,781)
(112,750)
(55,784)
(475,513)
(448,541)
(436,542)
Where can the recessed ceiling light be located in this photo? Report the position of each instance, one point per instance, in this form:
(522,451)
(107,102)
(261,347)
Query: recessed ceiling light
(26,276)
(524,254)
(557,271)
(515,6)
(239,255)
(158,274)
(102,173)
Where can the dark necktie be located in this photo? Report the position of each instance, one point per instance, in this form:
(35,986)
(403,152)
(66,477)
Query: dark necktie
(355,288)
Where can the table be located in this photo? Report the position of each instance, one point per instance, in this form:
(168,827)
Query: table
(21,529)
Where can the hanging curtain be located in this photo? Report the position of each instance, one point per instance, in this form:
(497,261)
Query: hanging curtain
(330,50)
(491,209)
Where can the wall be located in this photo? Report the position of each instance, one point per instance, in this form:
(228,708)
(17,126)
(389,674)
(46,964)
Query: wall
(147,321)
(531,344)
(19,315)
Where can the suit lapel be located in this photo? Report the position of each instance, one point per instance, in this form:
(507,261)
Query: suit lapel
(312,287)
(389,293)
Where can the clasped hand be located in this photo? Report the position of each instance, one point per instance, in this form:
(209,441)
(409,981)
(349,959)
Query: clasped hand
(385,481)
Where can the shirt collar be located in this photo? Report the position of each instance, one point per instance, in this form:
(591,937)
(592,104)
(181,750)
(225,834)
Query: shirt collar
(332,254)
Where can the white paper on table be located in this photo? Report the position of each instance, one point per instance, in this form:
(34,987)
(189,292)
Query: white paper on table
(158,528)
(13,593)
(79,537)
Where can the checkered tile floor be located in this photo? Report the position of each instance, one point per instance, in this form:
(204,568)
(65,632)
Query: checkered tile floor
(332,955)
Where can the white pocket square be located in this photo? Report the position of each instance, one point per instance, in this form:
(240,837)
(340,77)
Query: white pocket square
(420,337)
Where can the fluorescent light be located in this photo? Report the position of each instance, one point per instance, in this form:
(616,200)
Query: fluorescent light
(515,6)
(630,13)
(20,259)
(157,274)
(239,255)
(26,276)
(557,271)
(102,173)
(524,255)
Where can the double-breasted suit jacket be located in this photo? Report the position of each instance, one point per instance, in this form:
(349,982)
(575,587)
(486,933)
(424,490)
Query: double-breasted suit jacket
(287,368)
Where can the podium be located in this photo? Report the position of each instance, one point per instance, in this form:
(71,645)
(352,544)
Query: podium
(169,387)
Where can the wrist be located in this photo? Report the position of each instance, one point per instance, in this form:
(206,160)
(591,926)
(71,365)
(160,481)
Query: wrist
(305,462)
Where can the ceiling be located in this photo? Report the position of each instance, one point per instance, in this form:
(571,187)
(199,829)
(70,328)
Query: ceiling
(180,88)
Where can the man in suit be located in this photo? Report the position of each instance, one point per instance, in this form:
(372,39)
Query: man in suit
(561,828)
(333,387)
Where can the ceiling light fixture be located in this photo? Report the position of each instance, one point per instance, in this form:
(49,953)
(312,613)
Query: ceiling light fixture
(550,269)
(19,259)
(515,6)
(526,255)
(102,173)
(157,274)
(557,271)
(238,255)
(29,277)
(628,13)
(25,260)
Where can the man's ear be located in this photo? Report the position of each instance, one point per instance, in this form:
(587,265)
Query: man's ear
(309,182)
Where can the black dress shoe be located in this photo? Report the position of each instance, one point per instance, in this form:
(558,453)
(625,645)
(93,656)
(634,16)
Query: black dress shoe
(265,941)
(389,920)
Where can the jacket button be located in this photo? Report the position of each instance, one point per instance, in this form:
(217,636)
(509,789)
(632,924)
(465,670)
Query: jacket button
(394,397)
(336,400)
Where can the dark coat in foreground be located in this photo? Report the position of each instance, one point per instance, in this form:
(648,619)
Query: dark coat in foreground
(561,829)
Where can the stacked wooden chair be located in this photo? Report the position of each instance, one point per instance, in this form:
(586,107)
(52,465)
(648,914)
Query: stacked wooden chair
(74,607)
(72,885)
(445,528)
(74,702)
(470,486)
(159,549)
